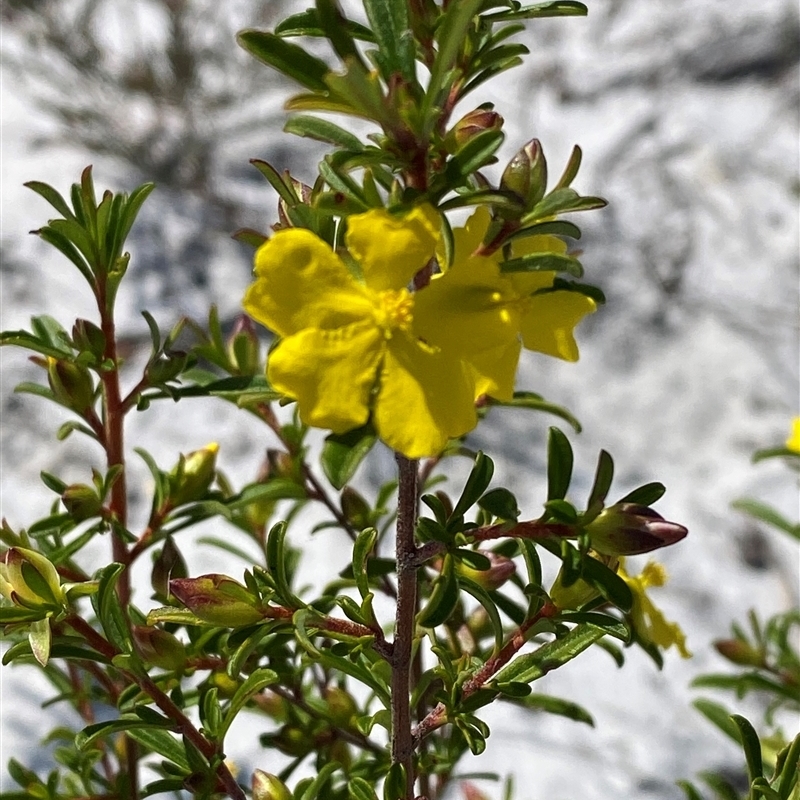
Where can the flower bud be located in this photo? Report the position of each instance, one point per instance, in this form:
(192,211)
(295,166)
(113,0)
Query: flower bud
(739,652)
(269,787)
(341,706)
(193,474)
(628,529)
(499,572)
(243,347)
(29,580)
(526,174)
(81,502)
(71,383)
(88,337)
(472,792)
(159,647)
(217,599)
(303,194)
(470,125)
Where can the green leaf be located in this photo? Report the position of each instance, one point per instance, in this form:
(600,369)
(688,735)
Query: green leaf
(788,775)
(288,58)
(362,548)
(500,503)
(307,23)
(477,483)
(603,476)
(52,197)
(163,743)
(559,227)
(334,26)
(343,452)
(320,781)
(394,787)
(751,746)
(255,683)
(322,131)
(536,402)
(276,565)
(109,611)
(556,705)
(100,730)
(719,716)
(31,342)
(396,47)
(765,513)
(68,249)
(611,625)
(607,582)
(443,598)
(555,8)
(532,666)
(475,154)
(483,597)
(645,495)
(690,791)
(559,465)
(359,789)
(547,262)
(451,36)
(562,201)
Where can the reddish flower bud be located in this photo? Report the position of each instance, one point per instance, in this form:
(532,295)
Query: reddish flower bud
(628,529)
(739,652)
(471,124)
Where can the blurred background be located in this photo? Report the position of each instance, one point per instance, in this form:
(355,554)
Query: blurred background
(688,115)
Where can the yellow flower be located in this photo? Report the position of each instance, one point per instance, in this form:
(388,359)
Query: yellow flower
(348,344)
(474,302)
(648,620)
(793,442)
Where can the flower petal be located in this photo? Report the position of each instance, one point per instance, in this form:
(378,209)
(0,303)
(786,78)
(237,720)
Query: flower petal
(550,319)
(496,371)
(470,308)
(392,248)
(301,283)
(329,373)
(424,399)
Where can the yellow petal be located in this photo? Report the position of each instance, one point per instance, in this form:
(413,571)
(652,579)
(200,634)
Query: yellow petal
(526,283)
(424,399)
(301,283)
(550,319)
(392,248)
(527,245)
(793,442)
(468,239)
(496,370)
(330,373)
(468,309)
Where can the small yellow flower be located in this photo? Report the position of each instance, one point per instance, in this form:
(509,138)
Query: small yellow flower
(348,345)
(474,302)
(648,620)
(793,442)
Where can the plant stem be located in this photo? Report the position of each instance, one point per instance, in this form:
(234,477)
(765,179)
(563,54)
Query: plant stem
(438,717)
(208,748)
(405,548)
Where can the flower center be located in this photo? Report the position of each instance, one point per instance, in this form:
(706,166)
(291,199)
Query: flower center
(393,310)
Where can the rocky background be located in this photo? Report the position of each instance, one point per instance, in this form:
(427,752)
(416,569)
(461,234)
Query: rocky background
(687,113)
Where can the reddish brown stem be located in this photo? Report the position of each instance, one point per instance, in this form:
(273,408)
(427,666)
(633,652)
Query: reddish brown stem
(182,723)
(407,508)
(438,716)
